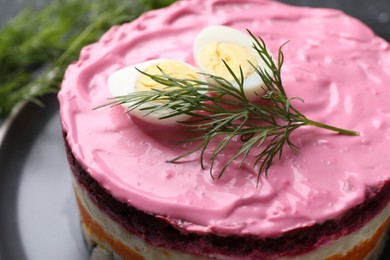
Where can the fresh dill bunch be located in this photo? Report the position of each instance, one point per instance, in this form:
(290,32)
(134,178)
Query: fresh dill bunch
(37,46)
(222,112)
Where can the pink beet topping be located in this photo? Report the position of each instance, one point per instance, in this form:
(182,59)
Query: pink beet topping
(334,62)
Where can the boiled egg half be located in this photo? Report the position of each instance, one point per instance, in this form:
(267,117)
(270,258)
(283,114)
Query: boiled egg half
(129,80)
(217,43)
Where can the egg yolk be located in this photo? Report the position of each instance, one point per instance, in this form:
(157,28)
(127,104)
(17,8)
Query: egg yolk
(174,69)
(235,55)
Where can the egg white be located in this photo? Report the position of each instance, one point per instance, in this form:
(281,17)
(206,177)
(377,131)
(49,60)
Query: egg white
(123,82)
(253,84)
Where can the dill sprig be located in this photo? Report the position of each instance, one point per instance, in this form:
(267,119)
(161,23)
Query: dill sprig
(222,112)
(37,46)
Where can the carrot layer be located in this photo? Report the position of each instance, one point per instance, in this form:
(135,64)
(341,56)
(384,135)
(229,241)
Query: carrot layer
(101,235)
(362,250)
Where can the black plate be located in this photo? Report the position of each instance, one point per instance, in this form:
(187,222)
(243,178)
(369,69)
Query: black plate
(39,217)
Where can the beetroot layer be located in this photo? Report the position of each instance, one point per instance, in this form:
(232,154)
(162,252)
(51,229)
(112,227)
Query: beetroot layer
(157,231)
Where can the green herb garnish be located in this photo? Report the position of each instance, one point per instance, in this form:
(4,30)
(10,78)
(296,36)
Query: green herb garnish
(266,127)
(36,47)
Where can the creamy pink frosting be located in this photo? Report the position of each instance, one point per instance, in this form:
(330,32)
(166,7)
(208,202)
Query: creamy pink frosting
(334,62)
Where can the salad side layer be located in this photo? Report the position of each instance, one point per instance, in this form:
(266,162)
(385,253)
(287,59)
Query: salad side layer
(335,63)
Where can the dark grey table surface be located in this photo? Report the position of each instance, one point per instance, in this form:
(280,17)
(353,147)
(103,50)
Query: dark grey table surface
(34,223)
